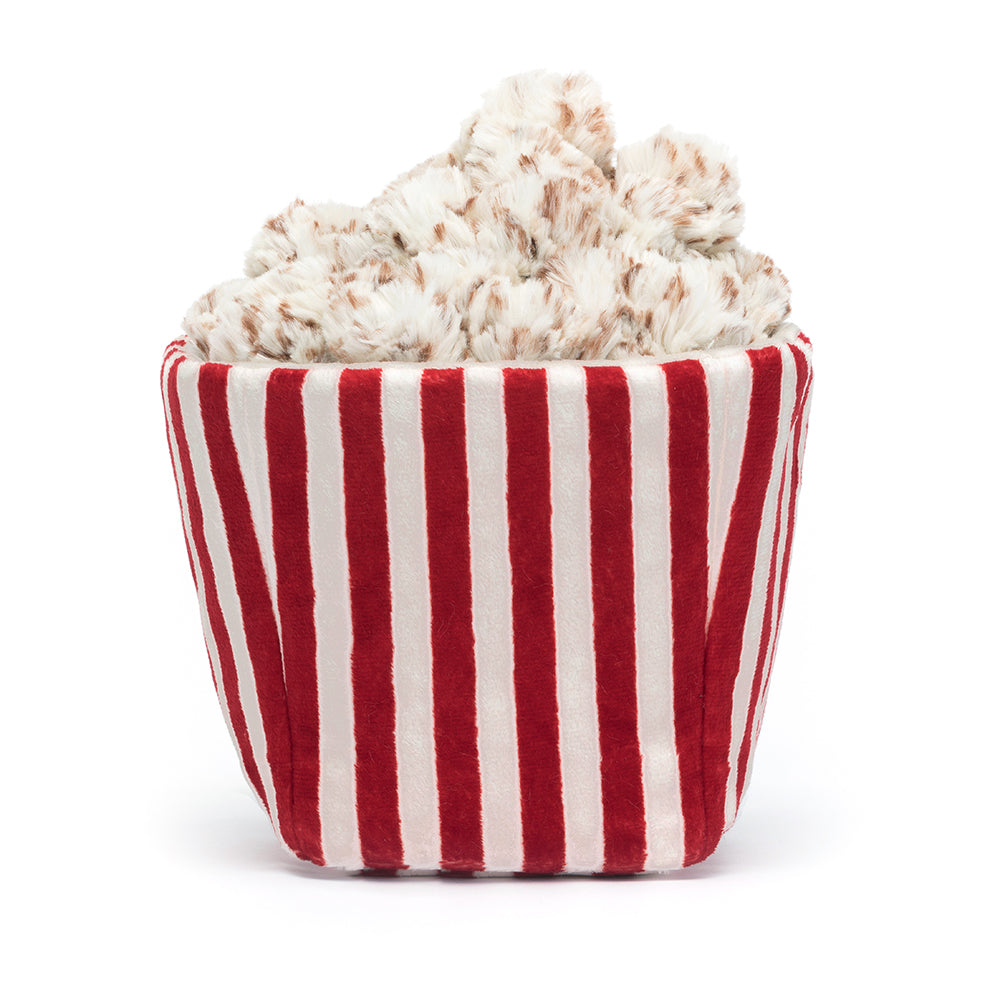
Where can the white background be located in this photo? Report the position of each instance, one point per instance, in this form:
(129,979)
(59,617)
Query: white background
(142,148)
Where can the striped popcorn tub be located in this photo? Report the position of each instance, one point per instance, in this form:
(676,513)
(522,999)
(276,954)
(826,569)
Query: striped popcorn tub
(501,617)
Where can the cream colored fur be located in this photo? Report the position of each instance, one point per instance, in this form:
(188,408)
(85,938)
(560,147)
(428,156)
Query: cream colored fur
(528,239)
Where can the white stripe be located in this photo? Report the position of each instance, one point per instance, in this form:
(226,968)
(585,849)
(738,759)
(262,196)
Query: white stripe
(728,381)
(246,392)
(654,641)
(775,621)
(785,515)
(331,580)
(206,625)
(411,618)
(225,584)
(491,619)
(576,683)
(193,548)
(754,625)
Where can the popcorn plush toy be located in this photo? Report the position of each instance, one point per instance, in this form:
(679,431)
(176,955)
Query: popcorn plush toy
(489,489)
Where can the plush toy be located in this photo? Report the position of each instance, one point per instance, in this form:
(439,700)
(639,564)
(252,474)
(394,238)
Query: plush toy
(489,490)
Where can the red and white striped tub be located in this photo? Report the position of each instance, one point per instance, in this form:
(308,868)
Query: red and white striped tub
(493,617)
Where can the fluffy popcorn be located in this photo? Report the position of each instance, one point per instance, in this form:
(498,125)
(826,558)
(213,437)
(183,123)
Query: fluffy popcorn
(570,106)
(530,238)
(697,176)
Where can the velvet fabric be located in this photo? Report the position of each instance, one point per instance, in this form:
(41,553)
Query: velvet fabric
(493,617)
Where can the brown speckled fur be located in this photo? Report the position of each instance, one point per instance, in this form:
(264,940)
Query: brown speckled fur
(530,238)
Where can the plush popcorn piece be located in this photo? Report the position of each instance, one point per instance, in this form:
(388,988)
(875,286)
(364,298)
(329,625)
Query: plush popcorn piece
(528,239)
(688,182)
(571,106)
(301,231)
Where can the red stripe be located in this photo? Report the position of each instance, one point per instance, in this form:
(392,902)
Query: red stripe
(803,370)
(687,409)
(259,624)
(529,515)
(442,402)
(216,621)
(173,355)
(285,431)
(724,642)
(360,396)
(765,639)
(613,587)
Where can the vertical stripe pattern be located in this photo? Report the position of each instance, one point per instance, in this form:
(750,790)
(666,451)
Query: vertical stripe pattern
(409,600)
(529,517)
(576,680)
(613,593)
(377,789)
(687,458)
(287,470)
(493,618)
(452,639)
(492,623)
(728,616)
